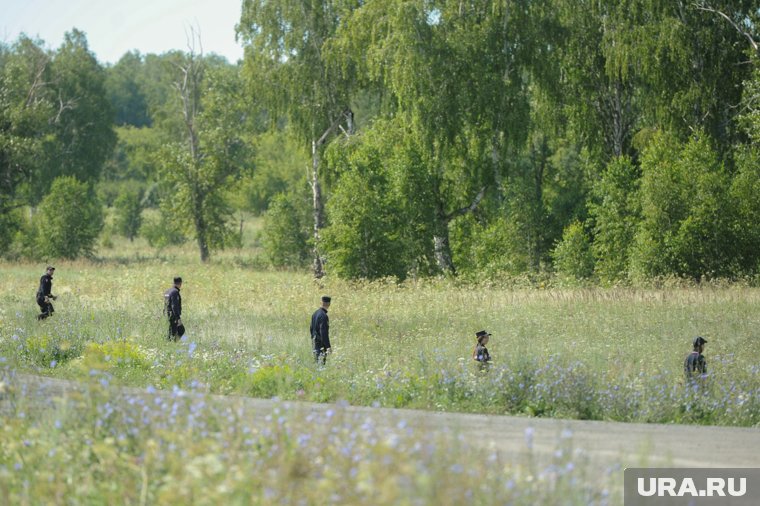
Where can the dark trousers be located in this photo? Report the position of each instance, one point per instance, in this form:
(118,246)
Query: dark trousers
(46,307)
(176,330)
(320,352)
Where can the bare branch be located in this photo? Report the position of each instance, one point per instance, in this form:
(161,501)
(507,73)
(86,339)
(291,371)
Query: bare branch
(62,107)
(708,8)
(349,116)
(470,208)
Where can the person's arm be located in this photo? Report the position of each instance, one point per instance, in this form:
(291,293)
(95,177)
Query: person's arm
(326,332)
(49,289)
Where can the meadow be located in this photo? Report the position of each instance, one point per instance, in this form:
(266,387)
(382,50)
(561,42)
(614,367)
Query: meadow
(588,353)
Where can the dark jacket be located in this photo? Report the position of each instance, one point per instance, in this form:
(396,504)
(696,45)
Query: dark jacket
(46,285)
(481,353)
(173,303)
(320,327)
(695,363)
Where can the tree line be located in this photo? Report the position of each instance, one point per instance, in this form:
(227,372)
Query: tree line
(596,139)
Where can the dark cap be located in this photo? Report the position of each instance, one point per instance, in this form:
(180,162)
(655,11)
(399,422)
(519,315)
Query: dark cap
(326,299)
(177,280)
(699,340)
(481,333)
(49,268)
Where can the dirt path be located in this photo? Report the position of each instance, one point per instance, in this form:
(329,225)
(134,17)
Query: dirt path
(603,444)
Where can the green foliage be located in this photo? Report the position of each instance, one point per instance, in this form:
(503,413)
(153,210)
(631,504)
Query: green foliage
(370,230)
(27,104)
(44,350)
(134,155)
(125,93)
(285,42)
(362,240)
(480,131)
(572,256)
(69,221)
(123,354)
(10,224)
(128,219)
(493,247)
(83,126)
(161,229)
(616,211)
(286,231)
(108,191)
(279,168)
(198,171)
(686,212)
(744,190)
(750,119)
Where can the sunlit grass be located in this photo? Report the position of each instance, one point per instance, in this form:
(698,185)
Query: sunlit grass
(612,354)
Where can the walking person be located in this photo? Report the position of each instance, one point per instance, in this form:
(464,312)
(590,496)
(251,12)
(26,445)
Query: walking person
(44,295)
(173,307)
(695,365)
(320,331)
(480,353)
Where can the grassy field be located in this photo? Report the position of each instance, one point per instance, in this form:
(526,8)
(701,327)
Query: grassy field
(609,354)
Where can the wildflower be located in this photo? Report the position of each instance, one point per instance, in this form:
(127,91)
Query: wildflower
(457,469)
(529,432)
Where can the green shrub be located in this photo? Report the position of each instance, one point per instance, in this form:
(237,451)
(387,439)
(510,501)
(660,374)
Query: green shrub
(117,353)
(160,231)
(285,235)
(69,221)
(572,256)
(48,351)
(128,214)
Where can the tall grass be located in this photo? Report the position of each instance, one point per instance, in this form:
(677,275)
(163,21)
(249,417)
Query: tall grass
(612,354)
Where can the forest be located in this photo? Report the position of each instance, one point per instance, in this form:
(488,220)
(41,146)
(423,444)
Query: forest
(610,142)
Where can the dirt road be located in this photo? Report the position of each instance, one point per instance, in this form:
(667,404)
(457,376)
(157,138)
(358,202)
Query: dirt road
(603,444)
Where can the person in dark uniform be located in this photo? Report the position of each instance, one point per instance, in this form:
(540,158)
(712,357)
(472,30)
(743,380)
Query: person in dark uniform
(480,353)
(320,331)
(173,302)
(44,295)
(695,365)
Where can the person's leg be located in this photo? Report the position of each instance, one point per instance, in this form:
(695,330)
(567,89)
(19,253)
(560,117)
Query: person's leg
(319,351)
(46,309)
(172,330)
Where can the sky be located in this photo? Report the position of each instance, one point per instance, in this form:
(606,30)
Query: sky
(114,27)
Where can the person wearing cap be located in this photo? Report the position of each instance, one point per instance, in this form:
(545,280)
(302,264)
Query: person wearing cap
(480,353)
(173,307)
(320,331)
(695,365)
(44,294)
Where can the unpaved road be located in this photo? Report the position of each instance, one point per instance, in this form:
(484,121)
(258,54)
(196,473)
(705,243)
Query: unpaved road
(603,444)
